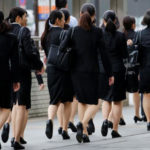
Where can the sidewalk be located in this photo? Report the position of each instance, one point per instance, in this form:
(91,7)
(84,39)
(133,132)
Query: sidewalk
(135,136)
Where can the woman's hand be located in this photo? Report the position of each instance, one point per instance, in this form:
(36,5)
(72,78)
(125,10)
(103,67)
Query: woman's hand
(41,87)
(129,42)
(40,72)
(16,86)
(111,80)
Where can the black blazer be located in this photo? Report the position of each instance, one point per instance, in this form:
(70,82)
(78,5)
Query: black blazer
(116,46)
(9,59)
(27,44)
(85,46)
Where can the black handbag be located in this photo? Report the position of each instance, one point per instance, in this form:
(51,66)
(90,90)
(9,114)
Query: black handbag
(61,59)
(24,61)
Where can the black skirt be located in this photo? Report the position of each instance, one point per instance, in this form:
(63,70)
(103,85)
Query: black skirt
(116,92)
(5,94)
(144,86)
(86,87)
(23,96)
(59,85)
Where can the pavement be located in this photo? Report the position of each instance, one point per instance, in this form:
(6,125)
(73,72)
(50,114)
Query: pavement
(134,136)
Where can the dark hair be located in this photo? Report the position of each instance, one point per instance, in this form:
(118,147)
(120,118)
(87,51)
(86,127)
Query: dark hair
(54,15)
(14,12)
(110,16)
(128,21)
(4,26)
(85,21)
(60,3)
(146,19)
(88,7)
(66,13)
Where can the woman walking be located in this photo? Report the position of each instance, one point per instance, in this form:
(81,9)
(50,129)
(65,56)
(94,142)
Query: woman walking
(84,40)
(116,47)
(59,83)
(9,64)
(22,99)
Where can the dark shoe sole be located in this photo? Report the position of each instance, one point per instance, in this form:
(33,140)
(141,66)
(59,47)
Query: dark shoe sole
(104,130)
(79,135)
(49,129)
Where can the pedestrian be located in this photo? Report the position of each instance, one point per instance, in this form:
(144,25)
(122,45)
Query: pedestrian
(144,59)
(132,81)
(84,40)
(22,99)
(9,64)
(116,47)
(59,85)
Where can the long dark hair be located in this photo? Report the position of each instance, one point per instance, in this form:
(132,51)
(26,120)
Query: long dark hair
(14,12)
(128,21)
(87,11)
(4,26)
(110,16)
(54,15)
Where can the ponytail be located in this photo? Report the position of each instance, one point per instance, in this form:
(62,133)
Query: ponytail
(43,37)
(85,21)
(110,27)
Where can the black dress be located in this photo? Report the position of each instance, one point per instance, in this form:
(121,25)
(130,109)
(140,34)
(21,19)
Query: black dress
(84,66)
(132,82)
(144,60)
(117,50)
(59,82)
(9,62)
(23,96)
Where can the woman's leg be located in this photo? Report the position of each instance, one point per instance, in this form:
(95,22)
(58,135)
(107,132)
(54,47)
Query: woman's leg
(25,123)
(4,113)
(74,107)
(52,110)
(20,117)
(66,115)
(146,106)
(136,100)
(116,113)
(106,109)
(81,110)
(14,114)
(60,113)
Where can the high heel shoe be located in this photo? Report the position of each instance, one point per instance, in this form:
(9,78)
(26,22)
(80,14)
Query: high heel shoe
(18,146)
(22,141)
(60,130)
(49,129)
(104,128)
(5,132)
(89,131)
(115,134)
(72,127)
(85,139)
(79,135)
(65,135)
(136,119)
(91,125)
(148,126)
(122,122)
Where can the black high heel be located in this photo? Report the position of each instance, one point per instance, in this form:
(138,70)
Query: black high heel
(110,124)
(136,119)
(60,130)
(22,141)
(49,129)
(122,122)
(115,134)
(148,126)
(79,135)
(85,139)
(5,132)
(18,146)
(72,127)
(104,128)
(91,125)
(65,135)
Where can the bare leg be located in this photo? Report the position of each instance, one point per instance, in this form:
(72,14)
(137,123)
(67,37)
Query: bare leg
(60,113)
(81,110)
(52,110)
(20,116)
(66,116)
(13,115)
(106,109)
(97,108)
(89,112)
(116,112)
(110,118)
(136,100)
(74,107)
(9,118)
(4,113)
(25,123)
(146,106)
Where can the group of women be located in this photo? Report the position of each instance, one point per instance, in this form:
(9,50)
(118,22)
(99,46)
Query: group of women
(97,71)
